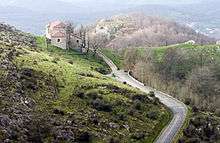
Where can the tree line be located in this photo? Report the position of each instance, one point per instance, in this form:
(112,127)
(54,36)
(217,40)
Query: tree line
(189,74)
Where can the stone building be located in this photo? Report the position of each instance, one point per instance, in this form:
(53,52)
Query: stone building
(56,34)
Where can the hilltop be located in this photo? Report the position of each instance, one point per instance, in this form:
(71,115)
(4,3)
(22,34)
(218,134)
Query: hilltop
(51,95)
(135,30)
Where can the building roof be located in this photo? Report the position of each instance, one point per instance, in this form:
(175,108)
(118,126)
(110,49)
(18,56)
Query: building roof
(57,24)
(58,34)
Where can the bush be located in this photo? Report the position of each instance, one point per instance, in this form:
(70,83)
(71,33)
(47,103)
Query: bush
(84,137)
(58,112)
(152,115)
(121,116)
(55,60)
(100,105)
(140,97)
(70,62)
(137,104)
(151,94)
(156,101)
(198,121)
(195,109)
(114,140)
(102,70)
(94,93)
(217,112)
(188,101)
(138,136)
(80,94)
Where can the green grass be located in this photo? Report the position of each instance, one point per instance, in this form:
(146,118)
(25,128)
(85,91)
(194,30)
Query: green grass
(115,57)
(71,82)
(210,49)
(88,60)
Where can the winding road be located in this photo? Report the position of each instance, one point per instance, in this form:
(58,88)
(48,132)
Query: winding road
(178,108)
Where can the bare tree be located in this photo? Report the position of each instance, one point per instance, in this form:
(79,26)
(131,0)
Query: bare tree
(70,29)
(97,41)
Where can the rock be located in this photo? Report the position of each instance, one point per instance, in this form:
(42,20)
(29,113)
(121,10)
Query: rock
(65,135)
(4,120)
(113,125)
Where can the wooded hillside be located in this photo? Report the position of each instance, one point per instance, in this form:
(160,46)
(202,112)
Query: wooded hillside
(137,30)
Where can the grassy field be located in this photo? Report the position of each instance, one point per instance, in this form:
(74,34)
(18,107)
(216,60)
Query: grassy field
(210,50)
(71,95)
(115,57)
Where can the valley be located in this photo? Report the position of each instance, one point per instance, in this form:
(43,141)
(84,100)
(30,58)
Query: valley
(95,71)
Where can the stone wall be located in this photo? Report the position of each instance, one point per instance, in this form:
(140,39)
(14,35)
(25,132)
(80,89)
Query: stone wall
(59,42)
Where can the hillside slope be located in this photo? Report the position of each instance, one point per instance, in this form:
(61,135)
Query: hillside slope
(51,95)
(136,30)
(188,72)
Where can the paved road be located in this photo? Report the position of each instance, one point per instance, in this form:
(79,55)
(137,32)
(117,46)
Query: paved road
(178,108)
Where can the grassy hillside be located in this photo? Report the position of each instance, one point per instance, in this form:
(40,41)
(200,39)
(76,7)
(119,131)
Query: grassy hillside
(209,50)
(52,95)
(114,56)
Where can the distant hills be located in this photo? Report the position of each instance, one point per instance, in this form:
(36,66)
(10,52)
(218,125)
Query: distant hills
(138,30)
(202,15)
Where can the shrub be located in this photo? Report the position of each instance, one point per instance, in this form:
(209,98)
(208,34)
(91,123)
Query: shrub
(137,104)
(58,111)
(187,101)
(198,121)
(101,70)
(121,116)
(100,105)
(151,94)
(156,101)
(70,62)
(80,94)
(55,60)
(84,137)
(152,115)
(217,112)
(131,112)
(94,93)
(138,136)
(114,140)
(195,109)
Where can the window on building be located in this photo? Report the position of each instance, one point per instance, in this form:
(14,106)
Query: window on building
(58,40)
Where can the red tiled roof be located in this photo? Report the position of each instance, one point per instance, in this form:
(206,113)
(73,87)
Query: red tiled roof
(57,24)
